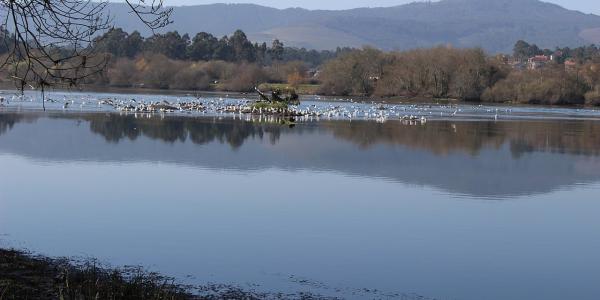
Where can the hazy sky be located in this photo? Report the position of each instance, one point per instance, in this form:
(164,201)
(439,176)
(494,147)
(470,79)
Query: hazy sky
(587,6)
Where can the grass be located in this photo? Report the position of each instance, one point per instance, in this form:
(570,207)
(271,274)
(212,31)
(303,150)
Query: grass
(281,106)
(23,276)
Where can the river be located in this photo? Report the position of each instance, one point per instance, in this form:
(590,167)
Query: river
(477,207)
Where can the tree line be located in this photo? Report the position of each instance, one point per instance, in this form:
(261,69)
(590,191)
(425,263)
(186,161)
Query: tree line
(173,61)
(233,63)
(157,71)
(524,50)
(206,47)
(463,74)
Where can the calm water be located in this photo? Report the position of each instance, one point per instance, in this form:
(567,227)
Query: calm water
(448,209)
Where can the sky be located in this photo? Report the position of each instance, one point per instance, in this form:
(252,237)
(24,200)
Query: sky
(587,6)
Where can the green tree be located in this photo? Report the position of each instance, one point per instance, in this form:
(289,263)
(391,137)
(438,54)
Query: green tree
(112,42)
(524,50)
(134,44)
(223,51)
(203,47)
(261,53)
(119,43)
(243,50)
(170,44)
(277,50)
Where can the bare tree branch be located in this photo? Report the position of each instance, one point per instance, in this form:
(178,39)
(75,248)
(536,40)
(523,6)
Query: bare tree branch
(51,41)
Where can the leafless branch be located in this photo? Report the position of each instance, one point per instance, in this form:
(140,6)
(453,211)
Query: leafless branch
(51,41)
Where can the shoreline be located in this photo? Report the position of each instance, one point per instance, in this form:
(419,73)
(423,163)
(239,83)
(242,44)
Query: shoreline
(24,275)
(334,98)
(318,110)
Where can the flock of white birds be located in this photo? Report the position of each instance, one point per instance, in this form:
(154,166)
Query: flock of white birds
(311,108)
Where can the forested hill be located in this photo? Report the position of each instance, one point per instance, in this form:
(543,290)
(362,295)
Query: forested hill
(494,25)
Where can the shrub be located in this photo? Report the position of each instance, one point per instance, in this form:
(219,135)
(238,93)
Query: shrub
(354,73)
(219,70)
(246,78)
(122,73)
(282,72)
(550,87)
(191,78)
(295,79)
(593,97)
(158,70)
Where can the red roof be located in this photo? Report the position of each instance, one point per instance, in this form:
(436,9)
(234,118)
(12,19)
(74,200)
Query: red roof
(540,58)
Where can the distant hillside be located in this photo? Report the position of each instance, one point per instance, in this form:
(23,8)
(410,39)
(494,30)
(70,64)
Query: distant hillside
(492,24)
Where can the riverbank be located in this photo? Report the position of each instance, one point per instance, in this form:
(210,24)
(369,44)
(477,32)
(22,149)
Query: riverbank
(304,91)
(310,109)
(27,276)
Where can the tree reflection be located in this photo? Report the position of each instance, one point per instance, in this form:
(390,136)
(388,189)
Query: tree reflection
(9,120)
(115,128)
(445,137)
(580,137)
(509,158)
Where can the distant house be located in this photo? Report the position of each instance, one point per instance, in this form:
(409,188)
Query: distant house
(538,62)
(518,65)
(570,64)
(557,55)
(513,62)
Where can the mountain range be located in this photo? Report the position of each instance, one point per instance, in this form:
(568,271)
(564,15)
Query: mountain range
(494,25)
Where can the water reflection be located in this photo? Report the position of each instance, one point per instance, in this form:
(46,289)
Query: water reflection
(346,206)
(478,158)
(8,121)
(115,128)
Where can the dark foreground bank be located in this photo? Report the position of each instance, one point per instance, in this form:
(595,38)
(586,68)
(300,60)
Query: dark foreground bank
(25,276)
